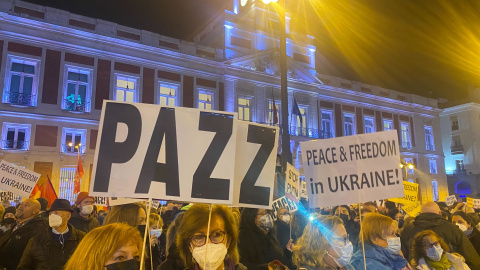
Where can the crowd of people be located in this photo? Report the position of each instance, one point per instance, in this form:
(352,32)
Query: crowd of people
(214,237)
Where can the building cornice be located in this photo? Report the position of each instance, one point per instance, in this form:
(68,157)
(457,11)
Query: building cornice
(54,118)
(461,108)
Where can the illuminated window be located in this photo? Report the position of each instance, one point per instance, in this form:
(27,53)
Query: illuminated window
(433,166)
(301,122)
(73,140)
(67,179)
(21,81)
(369,124)
(272,119)
(387,124)
(76,89)
(244,109)
(348,124)
(168,94)
(15,136)
(126,89)
(327,125)
(205,100)
(429,144)
(410,161)
(405,133)
(435,190)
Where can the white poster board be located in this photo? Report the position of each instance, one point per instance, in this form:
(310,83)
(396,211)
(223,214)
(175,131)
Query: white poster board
(256,155)
(303,190)
(283,202)
(450,200)
(476,203)
(16,179)
(352,169)
(113,201)
(101,201)
(292,181)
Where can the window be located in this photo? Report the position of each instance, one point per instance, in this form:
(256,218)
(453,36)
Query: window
(15,136)
(244,109)
(126,88)
(430,146)
(348,124)
(168,94)
(454,120)
(327,125)
(411,181)
(435,190)
(73,140)
(21,81)
(433,166)
(205,100)
(387,124)
(459,166)
(405,133)
(77,89)
(271,116)
(369,124)
(300,122)
(410,161)
(67,179)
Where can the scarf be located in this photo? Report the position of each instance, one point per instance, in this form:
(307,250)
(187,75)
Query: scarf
(443,264)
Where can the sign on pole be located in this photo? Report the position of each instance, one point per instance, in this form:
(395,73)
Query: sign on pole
(101,201)
(476,203)
(470,202)
(303,190)
(292,181)
(352,169)
(16,179)
(450,200)
(283,202)
(411,194)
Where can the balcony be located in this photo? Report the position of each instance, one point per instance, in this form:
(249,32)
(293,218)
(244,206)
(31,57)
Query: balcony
(64,148)
(455,127)
(300,131)
(326,134)
(407,145)
(430,147)
(19,99)
(15,145)
(75,106)
(456,149)
(460,171)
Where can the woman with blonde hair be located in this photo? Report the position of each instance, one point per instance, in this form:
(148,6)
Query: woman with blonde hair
(324,244)
(114,246)
(133,214)
(219,251)
(157,241)
(382,245)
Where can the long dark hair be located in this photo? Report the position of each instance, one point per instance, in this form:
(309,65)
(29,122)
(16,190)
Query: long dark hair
(417,251)
(252,239)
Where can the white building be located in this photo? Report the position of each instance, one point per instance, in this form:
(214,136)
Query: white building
(56,68)
(460,128)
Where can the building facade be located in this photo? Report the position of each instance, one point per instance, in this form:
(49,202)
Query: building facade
(460,129)
(57,68)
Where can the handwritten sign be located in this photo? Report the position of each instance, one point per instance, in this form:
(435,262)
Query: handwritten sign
(292,181)
(450,200)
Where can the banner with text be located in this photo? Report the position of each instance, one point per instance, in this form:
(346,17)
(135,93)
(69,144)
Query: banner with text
(303,190)
(16,179)
(283,202)
(101,201)
(352,169)
(292,181)
(411,194)
(450,200)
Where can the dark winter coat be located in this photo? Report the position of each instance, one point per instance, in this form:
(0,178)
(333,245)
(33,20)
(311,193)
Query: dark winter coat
(44,252)
(475,239)
(13,243)
(456,240)
(83,224)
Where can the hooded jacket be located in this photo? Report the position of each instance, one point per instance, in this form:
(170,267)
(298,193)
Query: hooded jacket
(456,240)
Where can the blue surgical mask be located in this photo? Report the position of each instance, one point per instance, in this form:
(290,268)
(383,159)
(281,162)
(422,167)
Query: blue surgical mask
(156,232)
(345,253)
(394,245)
(435,253)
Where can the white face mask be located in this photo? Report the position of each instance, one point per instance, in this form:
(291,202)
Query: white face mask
(86,209)
(435,253)
(345,253)
(394,245)
(55,221)
(215,255)
(462,227)
(286,219)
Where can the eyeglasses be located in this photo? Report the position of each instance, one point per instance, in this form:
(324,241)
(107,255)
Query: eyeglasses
(430,245)
(216,237)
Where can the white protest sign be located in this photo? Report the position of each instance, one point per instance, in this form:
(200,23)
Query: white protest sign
(284,202)
(8,196)
(101,201)
(150,151)
(303,190)
(292,181)
(450,200)
(155,203)
(16,179)
(256,155)
(352,169)
(112,201)
(476,203)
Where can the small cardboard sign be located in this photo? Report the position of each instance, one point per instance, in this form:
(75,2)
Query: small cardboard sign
(101,201)
(450,200)
(470,202)
(412,209)
(292,181)
(284,202)
(303,190)
(16,179)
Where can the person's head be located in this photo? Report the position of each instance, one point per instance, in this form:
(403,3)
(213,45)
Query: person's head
(390,205)
(395,214)
(369,207)
(343,212)
(85,203)
(43,204)
(59,214)
(174,205)
(236,215)
(9,213)
(431,208)
(283,214)
(324,243)
(427,244)
(192,236)
(105,245)
(27,209)
(380,230)
(462,220)
(132,213)
(172,231)
(155,224)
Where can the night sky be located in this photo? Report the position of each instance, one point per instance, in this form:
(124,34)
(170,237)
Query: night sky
(430,48)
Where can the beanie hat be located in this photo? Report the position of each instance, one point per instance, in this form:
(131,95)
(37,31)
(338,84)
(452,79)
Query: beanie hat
(82,196)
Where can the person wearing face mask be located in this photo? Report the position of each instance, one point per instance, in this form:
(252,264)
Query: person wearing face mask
(324,245)
(282,224)
(258,244)
(110,247)
(382,246)
(467,224)
(52,248)
(8,219)
(218,250)
(429,251)
(82,217)
(396,215)
(348,218)
(157,241)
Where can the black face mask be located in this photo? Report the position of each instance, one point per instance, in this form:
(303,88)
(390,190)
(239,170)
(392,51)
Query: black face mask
(400,223)
(141,229)
(344,218)
(132,264)
(8,221)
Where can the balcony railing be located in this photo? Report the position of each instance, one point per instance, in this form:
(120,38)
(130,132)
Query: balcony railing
(430,147)
(460,171)
(456,149)
(20,99)
(65,148)
(323,134)
(407,145)
(75,106)
(15,145)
